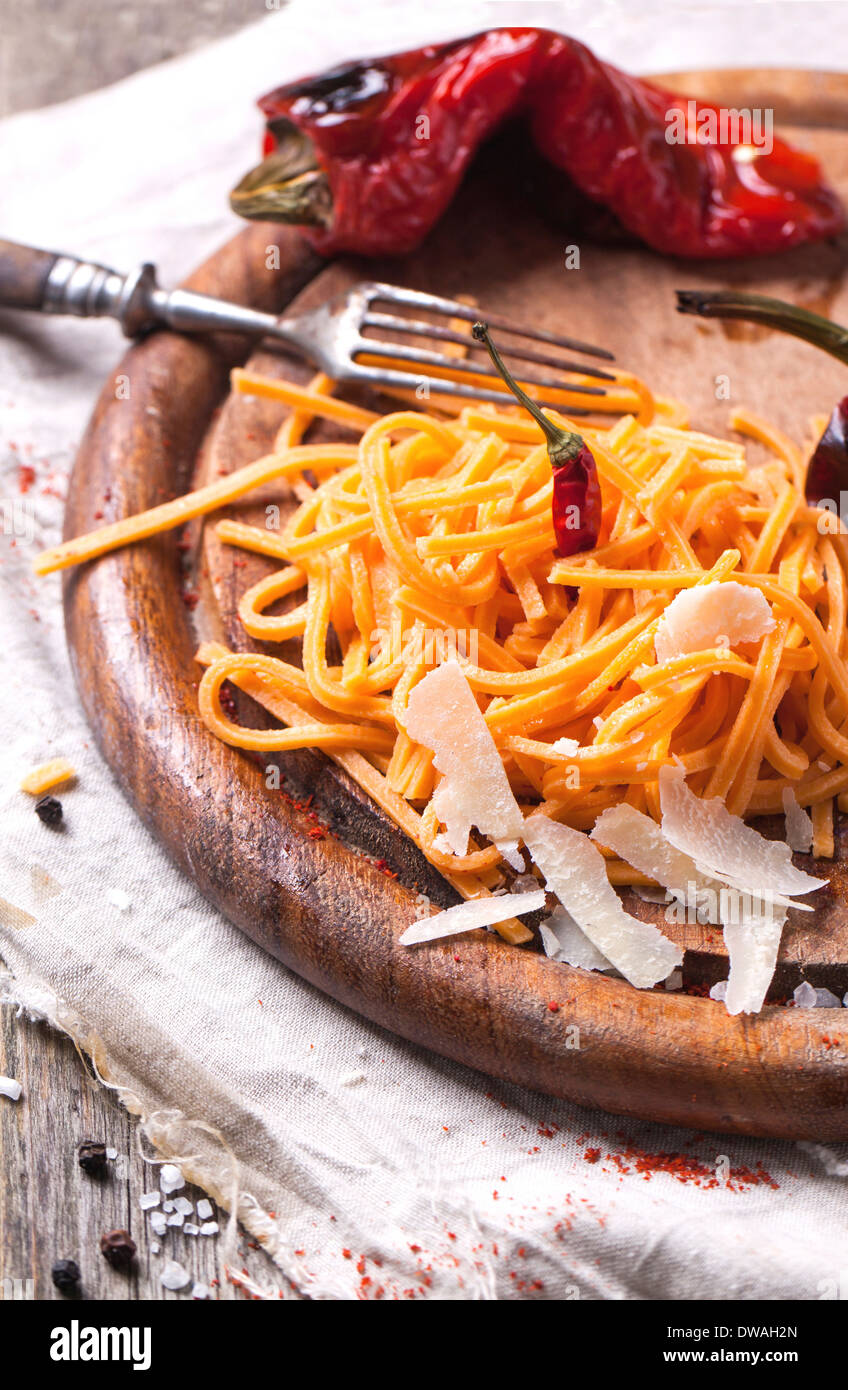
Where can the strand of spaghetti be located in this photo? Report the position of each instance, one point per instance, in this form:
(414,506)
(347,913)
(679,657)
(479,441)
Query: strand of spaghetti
(316,403)
(314,735)
(256,598)
(168,515)
(811,627)
(323,688)
(252,538)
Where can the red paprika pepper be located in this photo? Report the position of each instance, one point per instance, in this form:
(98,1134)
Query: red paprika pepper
(576,505)
(371,154)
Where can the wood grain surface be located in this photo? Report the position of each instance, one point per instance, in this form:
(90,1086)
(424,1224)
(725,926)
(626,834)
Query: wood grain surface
(326,908)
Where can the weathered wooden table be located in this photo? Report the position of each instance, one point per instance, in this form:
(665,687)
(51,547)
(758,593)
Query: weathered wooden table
(50,1209)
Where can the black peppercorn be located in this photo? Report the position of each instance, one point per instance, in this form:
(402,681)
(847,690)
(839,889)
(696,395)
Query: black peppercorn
(92,1158)
(118,1247)
(66,1275)
(49,810)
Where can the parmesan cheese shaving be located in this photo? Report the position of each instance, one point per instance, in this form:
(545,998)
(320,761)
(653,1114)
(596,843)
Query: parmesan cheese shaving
(443,715)
(799,827)
(712,615)
(640,842)
(576,872)
(752,941)
(563,940)
(468,916)
(722,844)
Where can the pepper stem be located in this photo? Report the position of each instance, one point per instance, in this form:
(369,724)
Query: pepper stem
(288,186)
(563,445)
(772,313)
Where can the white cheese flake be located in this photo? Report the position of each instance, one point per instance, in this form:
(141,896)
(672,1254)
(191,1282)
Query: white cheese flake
(799,826)
(563,940)
(640,842)
(575,870)
(720,614)
(468,916)
(443,715)
(723,846)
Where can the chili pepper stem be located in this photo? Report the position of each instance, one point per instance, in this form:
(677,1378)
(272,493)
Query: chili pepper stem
(771,313)
(563,445)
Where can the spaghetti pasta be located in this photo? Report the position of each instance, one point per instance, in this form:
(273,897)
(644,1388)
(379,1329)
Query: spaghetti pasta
(431,539)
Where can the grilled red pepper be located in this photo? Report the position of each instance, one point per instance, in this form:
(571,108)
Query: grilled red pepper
(371,154)
(827,471)
(576,505)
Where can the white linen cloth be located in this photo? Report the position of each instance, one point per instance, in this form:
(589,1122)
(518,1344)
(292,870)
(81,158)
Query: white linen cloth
(355,1141)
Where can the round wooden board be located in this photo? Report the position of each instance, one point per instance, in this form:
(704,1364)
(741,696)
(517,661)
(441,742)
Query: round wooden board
(327,907)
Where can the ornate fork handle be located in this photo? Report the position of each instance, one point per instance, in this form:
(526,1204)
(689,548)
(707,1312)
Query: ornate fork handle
(52,283)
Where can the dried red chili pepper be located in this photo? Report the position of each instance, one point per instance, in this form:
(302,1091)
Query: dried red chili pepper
(369,155)
(576,505)
(827,471)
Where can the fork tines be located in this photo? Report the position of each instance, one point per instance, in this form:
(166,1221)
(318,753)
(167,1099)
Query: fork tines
(395,295)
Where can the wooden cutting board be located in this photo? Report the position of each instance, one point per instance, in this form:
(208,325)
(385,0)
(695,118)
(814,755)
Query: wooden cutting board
(332,908)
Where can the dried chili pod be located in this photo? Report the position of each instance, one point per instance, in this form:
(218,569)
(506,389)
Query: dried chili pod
(827,472)
(576,506)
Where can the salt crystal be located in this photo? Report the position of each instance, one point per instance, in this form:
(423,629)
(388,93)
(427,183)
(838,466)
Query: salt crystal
(176,1219)
(361,1053)
(827,999)
(119,899)
(184,1205)
(10,1087)
(149,1199)
(352,1078)
(174,1277)
(111,1153)
(719,991)
(158,1222)
(204,1209)
(189,1229)
(171,1178)
(675,980)
(805,996)
(201,1291)
(209,1228)
(155,1247)
(845,1000)
(524,883)
(168,1206)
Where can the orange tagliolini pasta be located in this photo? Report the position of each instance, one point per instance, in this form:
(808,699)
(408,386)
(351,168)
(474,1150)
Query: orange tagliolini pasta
(430,536)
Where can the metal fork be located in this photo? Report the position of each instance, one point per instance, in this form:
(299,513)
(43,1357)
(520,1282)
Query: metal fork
(332,337)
